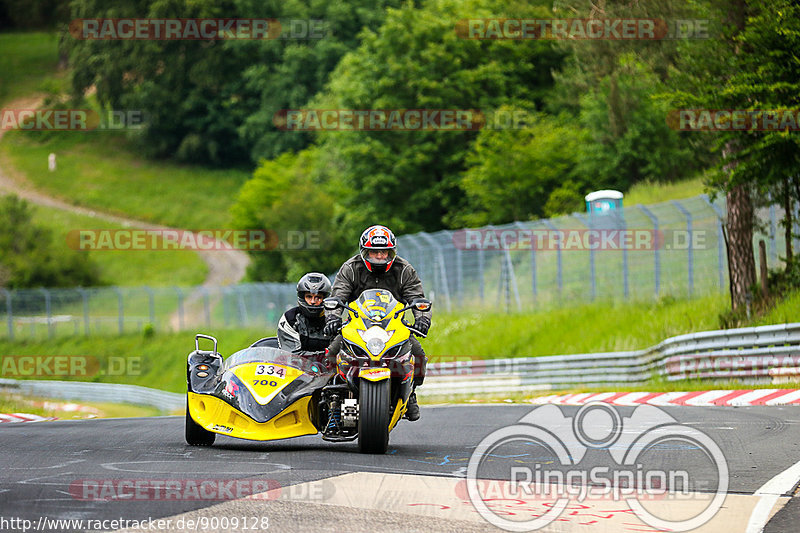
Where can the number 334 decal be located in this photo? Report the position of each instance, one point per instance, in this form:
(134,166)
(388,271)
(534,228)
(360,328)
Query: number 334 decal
(271,370)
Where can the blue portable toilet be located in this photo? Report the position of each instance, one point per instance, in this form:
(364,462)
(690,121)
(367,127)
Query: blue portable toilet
(603,202)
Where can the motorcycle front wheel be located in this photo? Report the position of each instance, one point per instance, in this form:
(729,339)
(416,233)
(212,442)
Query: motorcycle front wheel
(373,416)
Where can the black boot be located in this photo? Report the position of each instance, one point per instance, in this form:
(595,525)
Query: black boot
(412,409)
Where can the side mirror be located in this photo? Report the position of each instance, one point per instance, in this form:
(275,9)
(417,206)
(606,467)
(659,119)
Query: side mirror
(422,304)
(332,304)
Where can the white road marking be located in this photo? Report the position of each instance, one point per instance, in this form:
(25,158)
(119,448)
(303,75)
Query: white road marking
(768,495)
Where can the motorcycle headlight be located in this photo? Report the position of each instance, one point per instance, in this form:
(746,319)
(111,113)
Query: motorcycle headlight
(375,338)
(375,346)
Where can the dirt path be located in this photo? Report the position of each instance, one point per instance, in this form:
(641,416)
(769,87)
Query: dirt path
(224,266)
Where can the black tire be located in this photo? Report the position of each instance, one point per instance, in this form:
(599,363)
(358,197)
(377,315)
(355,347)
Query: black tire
(195,434)
(373,416)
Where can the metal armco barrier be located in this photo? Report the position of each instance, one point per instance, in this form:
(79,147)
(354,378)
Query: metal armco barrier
(98,392)
(751,354)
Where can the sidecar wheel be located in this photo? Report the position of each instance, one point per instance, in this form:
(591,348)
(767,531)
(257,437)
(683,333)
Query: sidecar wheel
(373,417)
(195,434)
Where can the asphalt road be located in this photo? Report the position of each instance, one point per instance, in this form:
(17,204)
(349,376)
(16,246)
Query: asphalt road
(90,470)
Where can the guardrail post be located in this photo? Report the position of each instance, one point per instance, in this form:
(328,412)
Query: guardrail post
(559,238)
(657,251)
(690,253)
(9,313)
(720,243)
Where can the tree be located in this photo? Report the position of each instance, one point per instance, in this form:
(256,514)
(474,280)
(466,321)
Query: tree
(286,198)
(410,179)
(513,174)
(753,65)
(28,256)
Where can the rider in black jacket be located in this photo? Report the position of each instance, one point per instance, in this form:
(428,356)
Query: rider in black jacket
(377,266)
(300,329)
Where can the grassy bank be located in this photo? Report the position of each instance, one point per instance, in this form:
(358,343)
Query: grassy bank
(101,170)
(127,268)
(27,60)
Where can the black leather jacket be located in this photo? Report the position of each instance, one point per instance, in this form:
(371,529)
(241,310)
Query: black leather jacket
(300,334)
(401,280)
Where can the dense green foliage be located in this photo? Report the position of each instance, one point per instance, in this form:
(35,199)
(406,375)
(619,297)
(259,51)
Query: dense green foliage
(30,258)
(595,112)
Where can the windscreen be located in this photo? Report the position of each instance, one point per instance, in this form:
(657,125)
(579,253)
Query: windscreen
(265,354)
(376,304)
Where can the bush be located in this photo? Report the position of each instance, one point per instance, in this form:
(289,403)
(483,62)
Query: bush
(29,256)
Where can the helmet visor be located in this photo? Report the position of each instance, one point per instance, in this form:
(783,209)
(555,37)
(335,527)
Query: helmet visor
(378,256)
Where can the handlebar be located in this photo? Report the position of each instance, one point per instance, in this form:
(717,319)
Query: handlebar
(414,330)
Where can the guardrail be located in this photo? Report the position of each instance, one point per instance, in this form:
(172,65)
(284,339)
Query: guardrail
(752,354)
(98,392)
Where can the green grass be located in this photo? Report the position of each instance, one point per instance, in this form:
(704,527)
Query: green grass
(100,170)
(126,267)
(651,192)
(586,328)
(787,311)
(26,61)
(17,403)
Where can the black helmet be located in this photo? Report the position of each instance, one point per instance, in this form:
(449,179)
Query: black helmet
(378,238)
(315,283)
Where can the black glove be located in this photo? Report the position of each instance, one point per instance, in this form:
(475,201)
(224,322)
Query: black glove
(332,326)
(422,324)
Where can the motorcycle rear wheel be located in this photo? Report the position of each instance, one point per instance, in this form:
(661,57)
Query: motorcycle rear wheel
(373,417)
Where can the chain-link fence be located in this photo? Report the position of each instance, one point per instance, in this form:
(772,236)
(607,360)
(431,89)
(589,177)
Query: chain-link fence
(674,248)
(43,313)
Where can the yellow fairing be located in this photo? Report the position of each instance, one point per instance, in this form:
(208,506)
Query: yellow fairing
(350,332)
(220,417)
(399,411)
(375,374)
(265,380)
